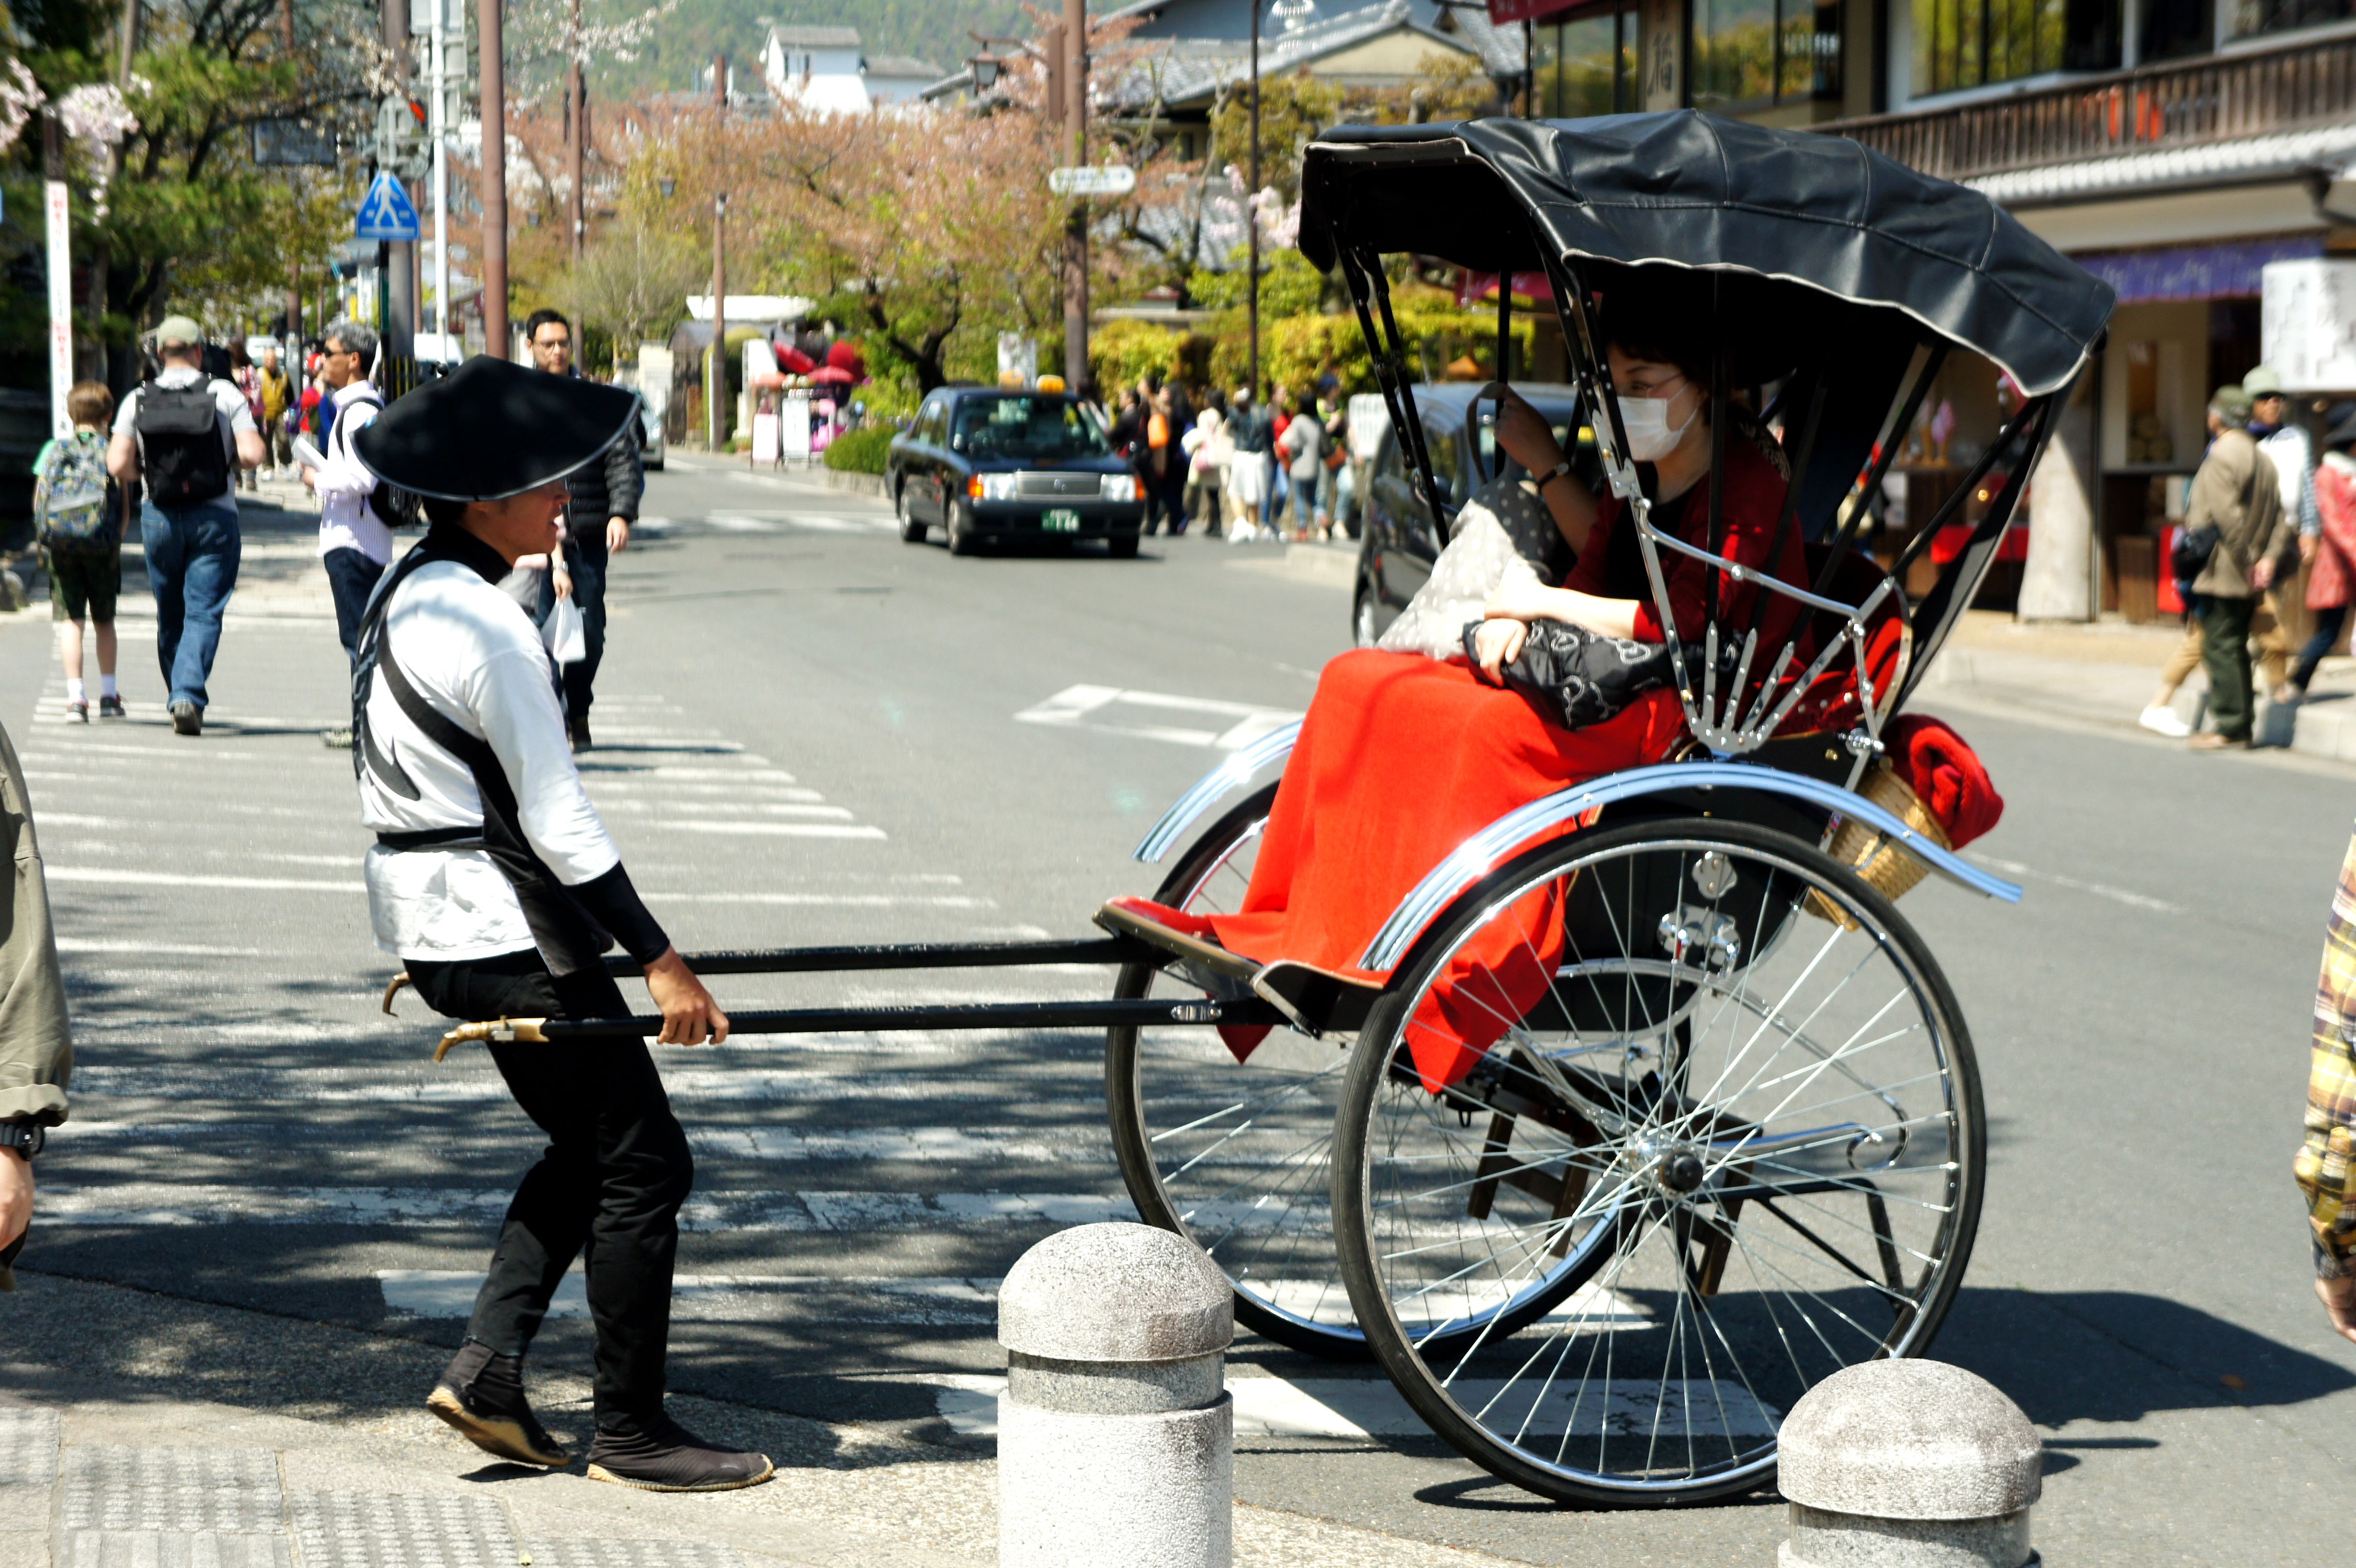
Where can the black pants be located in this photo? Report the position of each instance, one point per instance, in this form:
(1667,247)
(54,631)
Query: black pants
(586,561)
(351,577)
(609,1186)
(2329,624)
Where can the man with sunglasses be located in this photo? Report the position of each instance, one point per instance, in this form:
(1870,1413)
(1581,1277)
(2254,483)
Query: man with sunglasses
(355,544)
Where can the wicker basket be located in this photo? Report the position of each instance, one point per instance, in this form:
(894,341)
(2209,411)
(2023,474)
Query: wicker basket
(1886,867)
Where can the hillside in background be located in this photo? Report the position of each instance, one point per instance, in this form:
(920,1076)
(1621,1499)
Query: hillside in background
(685,41)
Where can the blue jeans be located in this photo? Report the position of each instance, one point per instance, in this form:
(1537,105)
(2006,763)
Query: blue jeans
(192,556)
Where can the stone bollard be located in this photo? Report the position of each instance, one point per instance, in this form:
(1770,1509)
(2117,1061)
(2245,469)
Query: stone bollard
(1117,1436)
(1909,1465)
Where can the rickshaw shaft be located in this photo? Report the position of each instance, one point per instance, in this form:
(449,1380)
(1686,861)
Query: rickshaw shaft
(909,955)
(1138,1014)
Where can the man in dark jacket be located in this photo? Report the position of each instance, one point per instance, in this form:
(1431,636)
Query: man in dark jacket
(596,523)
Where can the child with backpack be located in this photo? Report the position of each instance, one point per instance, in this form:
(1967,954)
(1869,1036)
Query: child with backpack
(79,512)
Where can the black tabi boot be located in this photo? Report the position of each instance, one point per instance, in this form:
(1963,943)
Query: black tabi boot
(481,1394)
(657,1454)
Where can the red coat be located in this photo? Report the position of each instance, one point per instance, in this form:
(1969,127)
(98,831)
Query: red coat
(2331,581)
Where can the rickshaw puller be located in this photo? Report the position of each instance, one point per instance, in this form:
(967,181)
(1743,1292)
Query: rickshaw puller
(495,880)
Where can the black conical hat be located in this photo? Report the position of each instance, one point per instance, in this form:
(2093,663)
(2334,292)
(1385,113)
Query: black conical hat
(492,428)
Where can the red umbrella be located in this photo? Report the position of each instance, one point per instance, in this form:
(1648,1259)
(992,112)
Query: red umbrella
(833,375)
(794,361)
(843,355)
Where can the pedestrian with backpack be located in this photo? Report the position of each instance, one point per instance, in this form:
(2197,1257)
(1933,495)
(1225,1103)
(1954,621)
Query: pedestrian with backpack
(354,542)
(79,512)
(183,435)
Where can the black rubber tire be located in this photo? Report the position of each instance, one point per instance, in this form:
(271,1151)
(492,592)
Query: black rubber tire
(1362,617)
(1124,1099)
(1369,1070)
(1121,546)
(960,528)
(912,532)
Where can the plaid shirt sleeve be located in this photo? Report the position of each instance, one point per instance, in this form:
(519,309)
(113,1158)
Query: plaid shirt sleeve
(2322,1167)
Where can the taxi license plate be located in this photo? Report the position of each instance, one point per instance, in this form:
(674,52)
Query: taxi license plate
(1060,520)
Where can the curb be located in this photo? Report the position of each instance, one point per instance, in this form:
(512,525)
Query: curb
(857,484)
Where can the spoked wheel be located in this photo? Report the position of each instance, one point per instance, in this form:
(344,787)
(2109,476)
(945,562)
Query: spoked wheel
(1725,1138)
(1233,1153)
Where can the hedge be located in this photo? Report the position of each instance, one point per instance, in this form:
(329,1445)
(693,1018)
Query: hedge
(860,451)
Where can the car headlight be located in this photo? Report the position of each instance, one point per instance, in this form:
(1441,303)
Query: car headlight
(992,487)
(1120,487)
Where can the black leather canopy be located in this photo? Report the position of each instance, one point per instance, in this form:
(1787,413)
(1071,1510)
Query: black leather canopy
(492,428)
(1691,191)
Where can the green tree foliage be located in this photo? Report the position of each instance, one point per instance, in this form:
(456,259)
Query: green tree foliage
(185,218)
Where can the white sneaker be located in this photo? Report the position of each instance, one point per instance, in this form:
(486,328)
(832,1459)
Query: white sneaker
(2163,721)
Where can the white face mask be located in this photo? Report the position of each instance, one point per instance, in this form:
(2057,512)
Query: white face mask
(1646,420)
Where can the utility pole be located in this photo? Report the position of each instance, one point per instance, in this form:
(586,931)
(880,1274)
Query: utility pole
(491,42)
(716,393)
(1251,212)
(401,255)
(60,259)
(576,139)
(1074,42)
(292,359)
(438,123)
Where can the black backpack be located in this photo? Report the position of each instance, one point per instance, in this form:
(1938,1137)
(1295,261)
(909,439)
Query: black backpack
(181,454)
(394,506)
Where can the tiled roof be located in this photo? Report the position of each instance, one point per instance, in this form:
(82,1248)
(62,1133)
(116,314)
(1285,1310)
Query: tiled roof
(816,38)
(2285,154)
(901,65)
(1186,70)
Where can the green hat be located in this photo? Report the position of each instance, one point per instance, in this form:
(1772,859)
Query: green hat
(2263,381)
(175,329)
(2230,404)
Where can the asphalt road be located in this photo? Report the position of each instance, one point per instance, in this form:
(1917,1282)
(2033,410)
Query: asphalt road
(809,732)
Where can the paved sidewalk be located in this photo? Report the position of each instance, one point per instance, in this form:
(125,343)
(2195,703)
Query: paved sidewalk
(2101,676)
(155,1433)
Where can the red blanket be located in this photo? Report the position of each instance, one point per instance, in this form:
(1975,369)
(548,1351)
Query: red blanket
(1400,760)
(1941,767)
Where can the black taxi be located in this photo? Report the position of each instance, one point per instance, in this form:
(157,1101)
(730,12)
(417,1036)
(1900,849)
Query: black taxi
(983,463)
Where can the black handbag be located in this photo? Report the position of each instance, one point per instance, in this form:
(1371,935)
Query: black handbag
(1581,675)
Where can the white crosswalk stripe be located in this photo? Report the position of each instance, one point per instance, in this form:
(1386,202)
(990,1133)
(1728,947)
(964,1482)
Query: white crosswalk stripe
(223,1080)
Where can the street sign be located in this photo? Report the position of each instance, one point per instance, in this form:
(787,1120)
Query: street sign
(1095,179)
(386,213)
(293,143)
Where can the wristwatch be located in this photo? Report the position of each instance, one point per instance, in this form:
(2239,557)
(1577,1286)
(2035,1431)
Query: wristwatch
(1559,471)
(27,1138)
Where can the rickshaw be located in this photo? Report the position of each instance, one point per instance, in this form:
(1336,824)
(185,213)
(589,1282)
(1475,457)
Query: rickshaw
(1735,1142)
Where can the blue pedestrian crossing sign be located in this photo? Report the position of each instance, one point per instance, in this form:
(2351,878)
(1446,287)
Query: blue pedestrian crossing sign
(386,213)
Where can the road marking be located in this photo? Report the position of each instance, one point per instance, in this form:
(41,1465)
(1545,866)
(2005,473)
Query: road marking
(777,829)
(906,1143)
(693,807)
(1101,709)
(729,1298)
(828,901)
(2099,889)
(169,1204)
(737,523)
(1368,1407)
(602,784)
(176,950)
(598,772)
(171,880)
(111,847)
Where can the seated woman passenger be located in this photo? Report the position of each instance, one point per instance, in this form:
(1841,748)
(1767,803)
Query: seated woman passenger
(1403,756)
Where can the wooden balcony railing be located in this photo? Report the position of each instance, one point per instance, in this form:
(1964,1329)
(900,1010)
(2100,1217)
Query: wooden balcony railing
(2216,99)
